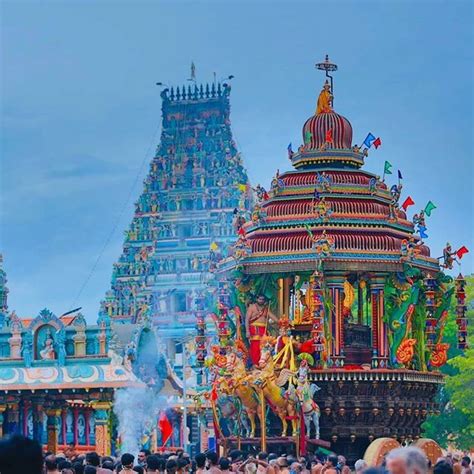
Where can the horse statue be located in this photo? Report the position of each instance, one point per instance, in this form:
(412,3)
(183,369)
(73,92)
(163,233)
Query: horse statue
(309,407)
(231,420)
(236,384)
(264,378)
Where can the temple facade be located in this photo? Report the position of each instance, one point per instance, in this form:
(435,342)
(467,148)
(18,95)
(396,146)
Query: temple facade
(59,379)
(195,191)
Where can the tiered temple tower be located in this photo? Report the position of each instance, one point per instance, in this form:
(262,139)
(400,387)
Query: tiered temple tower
(3,292)
(184,219)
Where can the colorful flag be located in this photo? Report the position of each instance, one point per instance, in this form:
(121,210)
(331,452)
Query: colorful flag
(242,187)
(241,231)
(369,139)
(463,250)
(165,427)
(316,194)
(400,175)
(429,207)
(408,202)
(214,246)
(307,136)
(329,136)
(290,150)
(421,230)
(377,142)
(387,168)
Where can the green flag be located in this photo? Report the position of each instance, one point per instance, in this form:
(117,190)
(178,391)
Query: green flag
(307,136)
(429,207)
(387,168)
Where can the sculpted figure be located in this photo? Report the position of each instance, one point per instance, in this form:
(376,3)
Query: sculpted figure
(256,325)
(325,100)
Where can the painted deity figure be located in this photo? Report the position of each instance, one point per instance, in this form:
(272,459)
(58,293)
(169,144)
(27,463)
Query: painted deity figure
(448,259)
(325,100)
(256,325)
(47,353)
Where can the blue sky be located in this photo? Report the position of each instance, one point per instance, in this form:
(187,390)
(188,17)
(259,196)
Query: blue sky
(80,114)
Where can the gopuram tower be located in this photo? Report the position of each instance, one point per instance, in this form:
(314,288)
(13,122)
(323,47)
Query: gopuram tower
(184,219)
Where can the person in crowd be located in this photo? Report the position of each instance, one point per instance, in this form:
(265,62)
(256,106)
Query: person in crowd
(51,464)
(142,455)
(93,459)
(63,464)
(330,466)
(70,452)
(457,468)
(78,467)
(213,463)
(466,465)
(342,467)
(224,465)
(182,463)
(200,460)
(407,460)
(171,465)
(359,466)
(443,466)
(127,460)
(89,469)
(316,466)
(139,469)
(153,464)
(282,463)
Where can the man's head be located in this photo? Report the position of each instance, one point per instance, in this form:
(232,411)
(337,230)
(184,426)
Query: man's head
(360,465)
(443,467)
(182,463)
(93,459)
(341,460)
(153,463)
(142,455)
(213,458)
(332,460)
(261,300)
(20,454)
(407,460)
(51,463)
(171,466)
(262,456)
(224,464)
(127,460)
(200,460)
(465,461)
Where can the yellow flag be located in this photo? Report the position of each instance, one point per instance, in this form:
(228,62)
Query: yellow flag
(242,187)
(214,246)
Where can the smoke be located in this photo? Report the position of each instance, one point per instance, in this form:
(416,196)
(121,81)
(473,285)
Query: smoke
(137,408)
(137,412)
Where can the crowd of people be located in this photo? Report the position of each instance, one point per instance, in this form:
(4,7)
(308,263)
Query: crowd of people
(19,455)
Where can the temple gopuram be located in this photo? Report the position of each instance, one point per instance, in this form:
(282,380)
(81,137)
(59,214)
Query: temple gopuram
(184,221)
(339,306)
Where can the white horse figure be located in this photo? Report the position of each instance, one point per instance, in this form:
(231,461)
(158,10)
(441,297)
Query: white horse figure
(309,407)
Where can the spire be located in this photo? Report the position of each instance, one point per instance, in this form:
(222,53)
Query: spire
(193,72)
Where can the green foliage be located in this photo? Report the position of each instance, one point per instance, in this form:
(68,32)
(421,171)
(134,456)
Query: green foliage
(455,424)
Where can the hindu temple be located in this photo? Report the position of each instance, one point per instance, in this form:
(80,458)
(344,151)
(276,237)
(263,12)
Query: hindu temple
(339,303)
(195,190)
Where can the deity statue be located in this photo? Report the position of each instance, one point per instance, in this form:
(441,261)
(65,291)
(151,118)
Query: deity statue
(27,349)
(48,350)
(448,259)
(256,325)
(325,100)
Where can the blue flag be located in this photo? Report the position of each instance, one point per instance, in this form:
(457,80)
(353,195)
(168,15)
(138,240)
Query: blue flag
(369,139)
(290,150)
(316,194)
(400,175)
(421,230)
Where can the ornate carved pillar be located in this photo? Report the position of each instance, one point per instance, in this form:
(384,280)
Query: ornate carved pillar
(13,418)
(53,428)
(336,324)
(38,421)
(2,419)
(102,433)
(75,433)
(379,326)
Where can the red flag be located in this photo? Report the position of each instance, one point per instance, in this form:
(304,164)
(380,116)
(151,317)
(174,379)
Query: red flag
(241,231)
(463,250)
(377,142)
(329,136)
(408,202)
(165,427)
